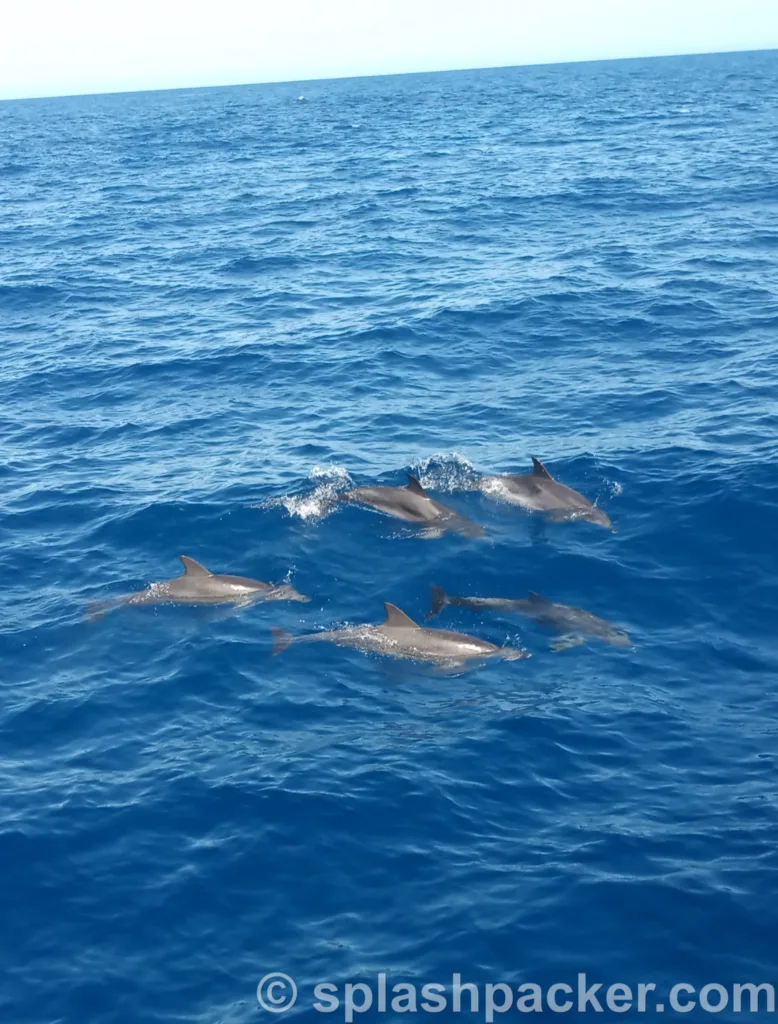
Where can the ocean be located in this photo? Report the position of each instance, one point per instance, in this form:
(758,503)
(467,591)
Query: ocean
(221,308)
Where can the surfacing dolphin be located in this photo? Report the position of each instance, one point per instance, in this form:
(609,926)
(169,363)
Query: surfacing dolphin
(200,586)
(400,637)
(414,505)
(574,623)
(538,491)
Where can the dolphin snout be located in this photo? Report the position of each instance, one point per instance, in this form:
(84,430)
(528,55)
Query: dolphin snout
(515,653)
(470,529)
(288,593)
(596,515)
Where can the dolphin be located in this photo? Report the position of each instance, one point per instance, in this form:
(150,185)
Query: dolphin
(575,623)
(200,586)
(413,504)
(538,491)
(401,637)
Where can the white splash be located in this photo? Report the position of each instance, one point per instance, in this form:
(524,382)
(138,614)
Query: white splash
(328,481)
(447,472)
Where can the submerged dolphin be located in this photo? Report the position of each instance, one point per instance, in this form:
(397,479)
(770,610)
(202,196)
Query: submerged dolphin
(413,504)
(538,491)
(401,637)
(575,623)
(200,586)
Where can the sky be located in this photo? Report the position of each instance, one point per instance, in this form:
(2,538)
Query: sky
(70,47)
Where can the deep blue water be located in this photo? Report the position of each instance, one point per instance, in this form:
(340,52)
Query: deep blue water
(220,307)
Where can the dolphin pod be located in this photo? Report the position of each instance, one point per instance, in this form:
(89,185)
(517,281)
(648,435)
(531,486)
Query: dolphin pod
(537,491)
(399,636)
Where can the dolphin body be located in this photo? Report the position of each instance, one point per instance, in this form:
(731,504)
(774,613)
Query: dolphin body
(414,505)
(575,623)
(538,491)
(400,637)
(200,586)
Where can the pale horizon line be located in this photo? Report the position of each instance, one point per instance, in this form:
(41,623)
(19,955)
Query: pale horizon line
(387,74)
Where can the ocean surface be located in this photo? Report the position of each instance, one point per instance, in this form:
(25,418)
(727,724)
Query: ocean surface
(219,309)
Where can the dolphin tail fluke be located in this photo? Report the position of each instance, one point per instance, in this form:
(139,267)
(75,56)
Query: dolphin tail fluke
(95,610)
(281,639)
(438,602)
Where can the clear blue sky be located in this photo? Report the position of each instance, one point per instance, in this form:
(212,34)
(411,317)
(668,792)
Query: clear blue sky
(60,47)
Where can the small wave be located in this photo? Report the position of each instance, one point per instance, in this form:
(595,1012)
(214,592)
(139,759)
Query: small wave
(447,472)
(24,296)
(246,266)
(10,169)
(329,482)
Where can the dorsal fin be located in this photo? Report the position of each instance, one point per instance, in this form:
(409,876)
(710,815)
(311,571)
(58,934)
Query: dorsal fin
(192,568)
(537,598)
(397,618)
(539,469)
(415,487)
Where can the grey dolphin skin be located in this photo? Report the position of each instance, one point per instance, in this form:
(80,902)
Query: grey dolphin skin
(414,505)
(575,623)
(401,637)
(200,586)
(538,491)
